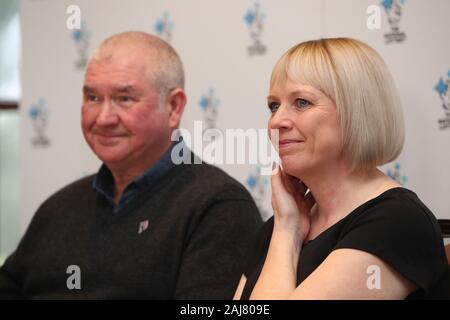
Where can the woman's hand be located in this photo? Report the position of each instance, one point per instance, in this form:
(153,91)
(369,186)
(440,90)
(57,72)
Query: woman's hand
(291,206)
(278,278)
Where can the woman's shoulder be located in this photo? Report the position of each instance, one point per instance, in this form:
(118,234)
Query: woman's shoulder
(401,230)
(400,202)
(400,211)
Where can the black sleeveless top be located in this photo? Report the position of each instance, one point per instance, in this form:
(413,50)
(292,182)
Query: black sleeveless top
(395,226)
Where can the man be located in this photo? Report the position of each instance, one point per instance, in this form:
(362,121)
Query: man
(142,227)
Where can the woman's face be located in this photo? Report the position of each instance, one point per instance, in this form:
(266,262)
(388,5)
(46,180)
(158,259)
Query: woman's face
(308,126)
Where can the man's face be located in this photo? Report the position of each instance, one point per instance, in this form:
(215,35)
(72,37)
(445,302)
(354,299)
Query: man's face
(122,119)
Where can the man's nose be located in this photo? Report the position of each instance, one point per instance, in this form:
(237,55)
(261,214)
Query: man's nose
(108,114)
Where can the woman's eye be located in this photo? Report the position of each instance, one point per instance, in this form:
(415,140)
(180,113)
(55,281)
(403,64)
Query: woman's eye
(302,103)
(273,106)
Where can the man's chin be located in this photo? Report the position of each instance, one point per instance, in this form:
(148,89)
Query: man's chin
(111,158)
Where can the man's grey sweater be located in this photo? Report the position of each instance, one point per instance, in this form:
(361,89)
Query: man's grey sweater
(184,238)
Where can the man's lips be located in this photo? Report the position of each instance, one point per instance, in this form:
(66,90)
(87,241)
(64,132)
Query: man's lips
(108,134)
(108,139)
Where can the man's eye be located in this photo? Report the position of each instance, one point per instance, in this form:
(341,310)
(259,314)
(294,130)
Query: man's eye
(92,98)
(124,99)
(302,103)
(273,106)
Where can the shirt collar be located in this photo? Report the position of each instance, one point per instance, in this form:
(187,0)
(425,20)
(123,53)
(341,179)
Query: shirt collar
(104,180)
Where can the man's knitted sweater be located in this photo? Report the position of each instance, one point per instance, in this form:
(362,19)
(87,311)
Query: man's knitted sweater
(184,238)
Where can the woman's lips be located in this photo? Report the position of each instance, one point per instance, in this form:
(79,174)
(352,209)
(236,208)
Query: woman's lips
(288,143)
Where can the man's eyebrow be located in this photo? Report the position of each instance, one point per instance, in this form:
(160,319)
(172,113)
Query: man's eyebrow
(87,89)
(119,89)
(125,89)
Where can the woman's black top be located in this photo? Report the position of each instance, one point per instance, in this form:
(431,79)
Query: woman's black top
(395,226)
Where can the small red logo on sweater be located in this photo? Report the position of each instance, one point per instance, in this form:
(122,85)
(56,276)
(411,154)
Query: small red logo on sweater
(143,225)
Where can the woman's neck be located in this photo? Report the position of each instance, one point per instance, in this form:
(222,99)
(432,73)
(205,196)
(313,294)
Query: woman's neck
(338,192)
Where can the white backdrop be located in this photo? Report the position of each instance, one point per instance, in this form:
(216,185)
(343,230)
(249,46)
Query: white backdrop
(212,38)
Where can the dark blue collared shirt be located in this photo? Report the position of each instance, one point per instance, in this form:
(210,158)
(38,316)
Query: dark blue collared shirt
(104,180)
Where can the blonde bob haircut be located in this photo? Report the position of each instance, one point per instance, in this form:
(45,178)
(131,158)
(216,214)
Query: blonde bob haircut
(355,76)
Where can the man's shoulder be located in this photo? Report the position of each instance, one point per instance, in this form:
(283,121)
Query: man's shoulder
(67,200)
(77,189)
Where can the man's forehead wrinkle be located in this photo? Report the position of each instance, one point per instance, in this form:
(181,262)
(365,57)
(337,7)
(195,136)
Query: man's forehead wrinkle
(116,68)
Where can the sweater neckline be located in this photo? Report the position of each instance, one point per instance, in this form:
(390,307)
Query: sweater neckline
(113,216)
(358,209)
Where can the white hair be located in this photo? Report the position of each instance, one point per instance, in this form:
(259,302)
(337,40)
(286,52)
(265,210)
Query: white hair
(355,76)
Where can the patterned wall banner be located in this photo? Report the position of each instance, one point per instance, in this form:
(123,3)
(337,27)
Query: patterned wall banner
(254,18)
(232,45)
(442,88)
(81,38)
(210,108)
(164,27)
(39,114)
(394,9)
(397,174)
(259,188)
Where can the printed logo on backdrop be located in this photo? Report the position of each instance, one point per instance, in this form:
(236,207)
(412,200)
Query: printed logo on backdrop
(164,27)
(393,9)
(442,88)
(254,19)
(81,38)
(39,114)
(257,184)
(209,105)
(396,174)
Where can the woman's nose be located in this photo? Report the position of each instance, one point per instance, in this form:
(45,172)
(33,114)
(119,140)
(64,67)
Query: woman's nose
(281,119)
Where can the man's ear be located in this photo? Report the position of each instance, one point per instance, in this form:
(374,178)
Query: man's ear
(176,101)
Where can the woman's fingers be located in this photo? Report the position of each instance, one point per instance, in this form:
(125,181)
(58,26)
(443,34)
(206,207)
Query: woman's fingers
(285,186)
(298,189)
(276,181)
(309,199)
(301,188)
(283,195)
(291,205)
(289,182)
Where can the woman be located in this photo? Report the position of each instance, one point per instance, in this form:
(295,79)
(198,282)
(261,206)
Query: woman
(341,228)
